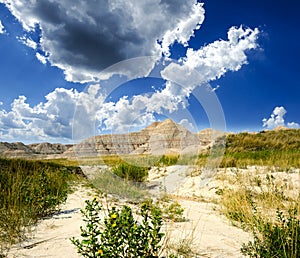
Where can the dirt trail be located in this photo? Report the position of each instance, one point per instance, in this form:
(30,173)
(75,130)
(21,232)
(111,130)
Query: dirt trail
(211,234)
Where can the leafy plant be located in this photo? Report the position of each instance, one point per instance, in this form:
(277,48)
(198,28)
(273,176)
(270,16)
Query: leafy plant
(277,240)
(120,235)
(173,211)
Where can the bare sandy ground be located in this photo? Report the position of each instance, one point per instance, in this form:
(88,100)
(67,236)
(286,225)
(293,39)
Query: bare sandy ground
(210,233)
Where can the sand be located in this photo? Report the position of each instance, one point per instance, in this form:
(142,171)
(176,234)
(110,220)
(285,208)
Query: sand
(210,233)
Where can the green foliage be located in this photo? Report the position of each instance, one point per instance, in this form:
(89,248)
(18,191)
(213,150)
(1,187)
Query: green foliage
(130,172)
(121,235)
(168,160)
(267,148)
(266,140)
(275,240)
(268,207)
(30,190)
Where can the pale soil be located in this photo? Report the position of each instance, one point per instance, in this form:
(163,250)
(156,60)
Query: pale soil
(211,234)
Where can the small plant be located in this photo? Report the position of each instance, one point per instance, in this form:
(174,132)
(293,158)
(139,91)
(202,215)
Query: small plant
(131,172)
(120,235)
(173,212)
(280,239)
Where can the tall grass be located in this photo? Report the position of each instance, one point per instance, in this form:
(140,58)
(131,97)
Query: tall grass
(29,190)
(267,148)
(268,206)
(109,183)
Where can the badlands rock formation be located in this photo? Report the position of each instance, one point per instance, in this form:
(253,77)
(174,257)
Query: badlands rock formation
(20,150)
(159,138)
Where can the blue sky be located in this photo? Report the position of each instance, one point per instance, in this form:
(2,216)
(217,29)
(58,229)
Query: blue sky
(61,80)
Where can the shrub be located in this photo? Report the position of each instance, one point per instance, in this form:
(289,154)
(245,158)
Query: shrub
(277,240)
(120,235)
(131,172)
(168,160)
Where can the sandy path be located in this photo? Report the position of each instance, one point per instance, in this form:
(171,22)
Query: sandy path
(51,236)
(211,234)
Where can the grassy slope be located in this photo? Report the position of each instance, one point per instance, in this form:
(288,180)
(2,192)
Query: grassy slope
(270,148)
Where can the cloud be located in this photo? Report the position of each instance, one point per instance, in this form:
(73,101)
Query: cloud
(2,30)
(277,119)
(214,60)
(84,37)
(293,125)
(51,120)
(187,124)
(41,58)
(28,42)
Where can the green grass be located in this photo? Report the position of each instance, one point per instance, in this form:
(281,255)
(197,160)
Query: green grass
(30,190)
(109,183)
(130,172)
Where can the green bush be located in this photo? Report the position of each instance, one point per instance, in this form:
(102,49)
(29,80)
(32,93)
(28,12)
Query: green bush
(168,160)
(120,235)
(131,172)
(277,240)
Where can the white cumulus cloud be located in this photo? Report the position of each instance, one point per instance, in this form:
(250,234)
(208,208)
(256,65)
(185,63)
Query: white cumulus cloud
(293,125)
(28,42)
(84,37)
(214,60)
(49,120)
(277,119)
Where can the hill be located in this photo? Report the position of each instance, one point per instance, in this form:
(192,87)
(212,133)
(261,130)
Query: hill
(159,138)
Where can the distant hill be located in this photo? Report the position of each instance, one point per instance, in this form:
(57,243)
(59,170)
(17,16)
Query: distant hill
(20,150)
(159,138)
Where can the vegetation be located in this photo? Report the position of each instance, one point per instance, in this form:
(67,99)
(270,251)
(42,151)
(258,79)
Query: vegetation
(275,239)
(30,190)
(107,182)
(283,140)
(121,235)
(267,148)
(130,172)
(268,207)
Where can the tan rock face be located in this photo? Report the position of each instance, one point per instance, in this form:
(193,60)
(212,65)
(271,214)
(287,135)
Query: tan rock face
(48,148)
(20,150)
(157,139)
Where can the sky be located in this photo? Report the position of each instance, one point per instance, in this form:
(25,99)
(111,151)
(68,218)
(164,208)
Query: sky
(71,69)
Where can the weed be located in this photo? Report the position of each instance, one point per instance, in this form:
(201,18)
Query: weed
(109,183)
(120,235)
(275,239)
